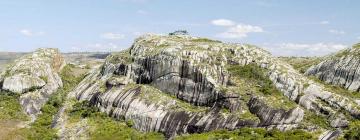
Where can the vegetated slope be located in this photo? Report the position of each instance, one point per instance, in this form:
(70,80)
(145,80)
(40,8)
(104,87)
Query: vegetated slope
(302,63)
(182,84)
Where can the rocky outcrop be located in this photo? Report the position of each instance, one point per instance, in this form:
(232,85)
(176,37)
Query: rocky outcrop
(175,85)
(180,84)
(35,77)
(278,118)
(340,69)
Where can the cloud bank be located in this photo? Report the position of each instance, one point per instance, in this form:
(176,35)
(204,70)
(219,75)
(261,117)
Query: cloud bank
(235,30)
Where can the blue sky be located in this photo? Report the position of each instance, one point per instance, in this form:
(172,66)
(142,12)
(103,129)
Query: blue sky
(284,27)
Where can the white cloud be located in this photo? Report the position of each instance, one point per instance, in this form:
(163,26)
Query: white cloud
(294,49)
(324,22)
(223,22)
(240,31)
(358,37)
(337,32)
(29,33)
(112,36)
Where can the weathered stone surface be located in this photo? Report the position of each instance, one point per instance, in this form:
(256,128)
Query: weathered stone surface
(330,135)
(22,83)
(175,72)
(341,69)
(279,118)
(35,77)
(172,75)
(339,121)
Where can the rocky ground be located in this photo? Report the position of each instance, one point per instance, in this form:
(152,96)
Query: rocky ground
(185,87)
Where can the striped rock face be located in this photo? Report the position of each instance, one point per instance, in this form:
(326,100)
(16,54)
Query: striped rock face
(175,85)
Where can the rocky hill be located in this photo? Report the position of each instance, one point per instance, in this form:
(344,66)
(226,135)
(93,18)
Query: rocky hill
(177,87)
(35,77)
(181,84)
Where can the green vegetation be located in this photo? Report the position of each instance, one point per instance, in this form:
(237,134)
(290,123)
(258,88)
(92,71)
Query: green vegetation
(120,57)
(205,40)
(342,53)
(311,118)
(103,87)
(103,127)
(302,64)
(10,109)
(352,133)
(252,79)
(250,134)
(253,72)
(44,78)
(349,51)
(357,45)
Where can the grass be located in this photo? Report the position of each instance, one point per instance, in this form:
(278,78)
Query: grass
(302,64)
(120,57)
(250,134)
(10,109)
(251,79)
(310,118)
(352,132)
(205,40)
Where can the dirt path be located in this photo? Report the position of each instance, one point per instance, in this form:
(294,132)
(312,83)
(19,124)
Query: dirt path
(11,130)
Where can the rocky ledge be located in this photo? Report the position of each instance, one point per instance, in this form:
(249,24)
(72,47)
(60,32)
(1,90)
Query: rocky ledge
(35,77)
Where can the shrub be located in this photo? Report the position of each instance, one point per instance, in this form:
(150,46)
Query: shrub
(250,134)
(10,107)
(254,73)
(353,131)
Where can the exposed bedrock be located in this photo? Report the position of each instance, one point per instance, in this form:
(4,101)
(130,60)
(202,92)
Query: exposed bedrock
(144,84)
(279,118)
(152,110)
(35,77)
(342,71)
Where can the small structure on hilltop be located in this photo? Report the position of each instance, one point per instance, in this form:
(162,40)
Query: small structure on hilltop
(180,32)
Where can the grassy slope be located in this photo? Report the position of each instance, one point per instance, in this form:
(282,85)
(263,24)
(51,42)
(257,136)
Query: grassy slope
(302,63)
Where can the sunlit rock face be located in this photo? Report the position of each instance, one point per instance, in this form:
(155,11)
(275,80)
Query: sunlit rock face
(34,76)
(181,84)
(174,84)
